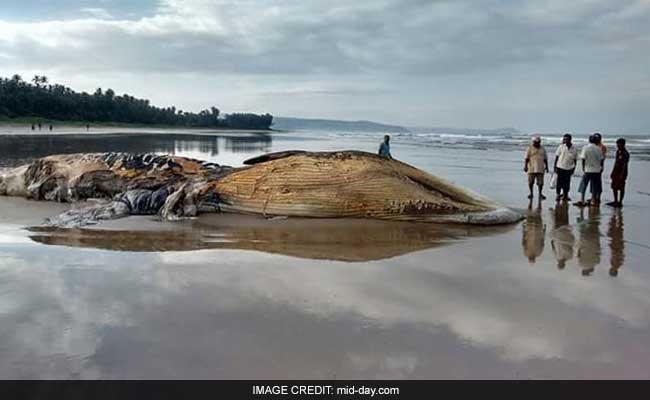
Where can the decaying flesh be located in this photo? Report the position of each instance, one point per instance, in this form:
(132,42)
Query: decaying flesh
(346,184)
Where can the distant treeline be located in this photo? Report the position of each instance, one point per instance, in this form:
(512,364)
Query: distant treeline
(21,99)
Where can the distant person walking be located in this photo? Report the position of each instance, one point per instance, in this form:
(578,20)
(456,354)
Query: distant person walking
(87,127)
(619,173)
(33,127)
(384,148)
(50,127)
(39,126)
(535,165)
(592,168)
(566,157)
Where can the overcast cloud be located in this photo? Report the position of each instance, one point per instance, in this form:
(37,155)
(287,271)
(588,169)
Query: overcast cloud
(538,66)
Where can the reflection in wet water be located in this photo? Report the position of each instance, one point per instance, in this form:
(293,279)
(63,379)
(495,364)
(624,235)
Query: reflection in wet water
(19,149)
(589,250)
(562,238)
(534,231)
(341,240)
(587,247)
(616,242)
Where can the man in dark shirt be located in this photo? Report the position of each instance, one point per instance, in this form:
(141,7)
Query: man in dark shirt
(619,173)
(384,148)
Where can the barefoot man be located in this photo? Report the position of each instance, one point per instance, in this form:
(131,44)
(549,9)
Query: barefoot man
(566,157)
(592,166)
(619,173)
(535,165)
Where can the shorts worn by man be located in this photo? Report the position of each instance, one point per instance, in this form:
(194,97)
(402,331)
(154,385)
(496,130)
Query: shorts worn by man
(536,164)
(592,166)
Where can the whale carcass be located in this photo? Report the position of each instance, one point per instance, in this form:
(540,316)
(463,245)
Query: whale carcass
(342,184)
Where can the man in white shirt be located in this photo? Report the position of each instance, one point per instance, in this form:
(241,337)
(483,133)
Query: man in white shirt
(592,167)
(566,158)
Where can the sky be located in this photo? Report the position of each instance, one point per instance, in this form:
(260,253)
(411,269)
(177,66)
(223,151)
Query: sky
(538,66)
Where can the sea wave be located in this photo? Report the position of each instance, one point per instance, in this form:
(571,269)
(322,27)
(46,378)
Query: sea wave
(637,145)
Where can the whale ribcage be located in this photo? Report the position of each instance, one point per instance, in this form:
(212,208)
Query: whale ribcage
(149,161)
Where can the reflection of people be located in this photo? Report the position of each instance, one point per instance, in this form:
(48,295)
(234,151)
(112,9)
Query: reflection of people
(384,148)
(535,164)
(616,242)
(566,157)
(562,238)
(592,167)
(534,230)
(619,173)
(589,241)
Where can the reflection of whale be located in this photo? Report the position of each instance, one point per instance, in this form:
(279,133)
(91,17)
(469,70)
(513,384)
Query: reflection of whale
(345,184)
(562,238)
(533,232)
(589,241)
(343,240)
(616,242)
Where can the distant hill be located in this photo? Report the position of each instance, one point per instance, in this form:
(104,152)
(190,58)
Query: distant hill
(334,125)
(465,131)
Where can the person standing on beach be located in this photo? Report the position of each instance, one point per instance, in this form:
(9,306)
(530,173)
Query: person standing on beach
(566,158)
(592,168)
(535,164)
(619,173)
(384,148)
(599,142)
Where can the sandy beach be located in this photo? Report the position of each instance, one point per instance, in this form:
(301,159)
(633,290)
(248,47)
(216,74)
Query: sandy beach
(563,294)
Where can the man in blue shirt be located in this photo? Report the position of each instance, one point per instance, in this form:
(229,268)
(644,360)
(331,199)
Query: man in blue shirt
(384,148)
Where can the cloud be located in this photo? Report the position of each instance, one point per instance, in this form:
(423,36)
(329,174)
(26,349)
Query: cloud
(96,12)
(288,37)
(415,45)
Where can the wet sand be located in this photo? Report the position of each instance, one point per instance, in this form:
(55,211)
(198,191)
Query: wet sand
(564,294)
(327,239)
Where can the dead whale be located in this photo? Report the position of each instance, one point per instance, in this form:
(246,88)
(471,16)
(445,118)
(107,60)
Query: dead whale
(343,184)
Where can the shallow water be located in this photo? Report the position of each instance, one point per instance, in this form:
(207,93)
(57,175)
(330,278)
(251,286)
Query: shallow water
(564,294)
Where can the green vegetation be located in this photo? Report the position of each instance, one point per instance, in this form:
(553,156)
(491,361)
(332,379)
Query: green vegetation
(39,101)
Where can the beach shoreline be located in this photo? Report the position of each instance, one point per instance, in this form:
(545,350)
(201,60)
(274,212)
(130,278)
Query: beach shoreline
(64,128)
(563,294)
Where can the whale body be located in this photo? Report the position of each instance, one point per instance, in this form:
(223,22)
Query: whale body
(342,184)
